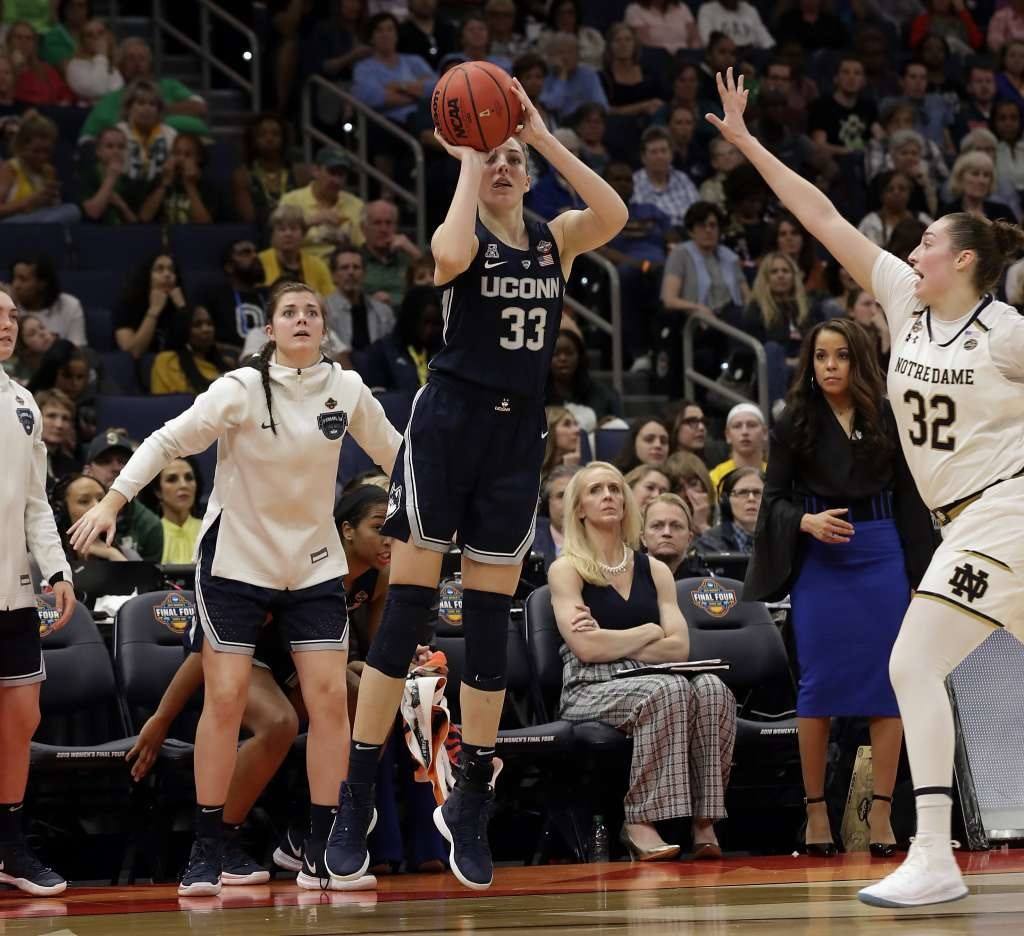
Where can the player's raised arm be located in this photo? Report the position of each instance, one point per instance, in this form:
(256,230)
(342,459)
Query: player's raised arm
(454,242)
(851,248)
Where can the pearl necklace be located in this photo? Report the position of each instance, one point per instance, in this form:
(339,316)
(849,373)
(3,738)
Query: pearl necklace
(617,569)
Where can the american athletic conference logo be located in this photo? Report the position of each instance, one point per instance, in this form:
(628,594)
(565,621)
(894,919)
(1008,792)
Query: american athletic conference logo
(48,617)
(712,598)
(175,612)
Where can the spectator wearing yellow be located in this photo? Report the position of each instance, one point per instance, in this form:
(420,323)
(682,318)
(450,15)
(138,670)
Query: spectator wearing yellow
(195,360)
(29,187)
(286,258)
(331,214)
(149,138)
(746,434)
(174,493)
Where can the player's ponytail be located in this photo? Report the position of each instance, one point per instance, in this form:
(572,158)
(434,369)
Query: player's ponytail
(994,243)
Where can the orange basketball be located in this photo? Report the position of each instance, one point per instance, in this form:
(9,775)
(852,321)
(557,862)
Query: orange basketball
(474,105)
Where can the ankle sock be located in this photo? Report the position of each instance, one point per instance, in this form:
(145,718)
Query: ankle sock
(477,764)
(362,761)
(209,821)
(934,811)
(320,820)
(10,822)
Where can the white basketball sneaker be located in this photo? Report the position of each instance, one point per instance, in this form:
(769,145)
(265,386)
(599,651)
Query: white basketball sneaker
(929,875)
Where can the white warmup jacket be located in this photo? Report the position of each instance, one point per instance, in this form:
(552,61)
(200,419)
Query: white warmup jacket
(27,517)
(274,494)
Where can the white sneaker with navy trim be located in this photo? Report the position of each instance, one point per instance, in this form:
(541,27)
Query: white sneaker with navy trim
(929,875)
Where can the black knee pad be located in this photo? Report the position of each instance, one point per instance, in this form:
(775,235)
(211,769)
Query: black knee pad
(405,609)
(485,625)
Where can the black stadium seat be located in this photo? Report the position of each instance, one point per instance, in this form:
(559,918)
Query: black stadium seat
(199,246)
(121,248)
(99,326)
(99,288)
(23,240)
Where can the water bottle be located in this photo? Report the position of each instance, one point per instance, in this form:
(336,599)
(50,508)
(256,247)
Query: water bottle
(598,840)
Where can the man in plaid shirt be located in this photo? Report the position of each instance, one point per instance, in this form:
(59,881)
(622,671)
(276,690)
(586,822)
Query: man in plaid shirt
(658,183)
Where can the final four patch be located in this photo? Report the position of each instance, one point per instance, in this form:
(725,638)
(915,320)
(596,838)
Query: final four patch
(175,612)
(333,425)
(48,616)
(713,598)
(27,419)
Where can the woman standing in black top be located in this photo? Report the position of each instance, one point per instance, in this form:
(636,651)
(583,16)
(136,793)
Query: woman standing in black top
(842,529)
(616,608)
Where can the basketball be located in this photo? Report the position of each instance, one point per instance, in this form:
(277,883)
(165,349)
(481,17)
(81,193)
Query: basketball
(474,105)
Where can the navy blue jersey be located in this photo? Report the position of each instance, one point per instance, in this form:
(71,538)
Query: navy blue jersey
(501,315)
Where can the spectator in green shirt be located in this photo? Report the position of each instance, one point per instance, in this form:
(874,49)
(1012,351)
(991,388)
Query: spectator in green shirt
(183,110)
(37,13)
(387,253)
(58,44)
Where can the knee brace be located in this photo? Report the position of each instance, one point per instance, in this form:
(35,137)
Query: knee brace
(485,625)
(406,607)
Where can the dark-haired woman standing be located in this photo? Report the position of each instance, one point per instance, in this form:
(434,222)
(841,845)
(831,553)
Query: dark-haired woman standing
(267,545)
(828,534)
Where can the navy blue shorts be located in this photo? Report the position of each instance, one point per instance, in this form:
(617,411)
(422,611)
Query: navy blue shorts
(271,652)
(233,614)
(21,652)
(469,466)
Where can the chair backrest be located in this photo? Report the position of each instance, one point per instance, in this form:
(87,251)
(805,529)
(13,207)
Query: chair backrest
(199,246)
(23,240)
(120,248)
(140,415)
(148,649)
(543,642)
(99,327)
(608,443)
(78,700)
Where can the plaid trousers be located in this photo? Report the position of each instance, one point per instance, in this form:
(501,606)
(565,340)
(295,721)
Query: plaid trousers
(683,731)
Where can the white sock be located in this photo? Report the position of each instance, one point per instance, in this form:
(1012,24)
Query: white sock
(935,815)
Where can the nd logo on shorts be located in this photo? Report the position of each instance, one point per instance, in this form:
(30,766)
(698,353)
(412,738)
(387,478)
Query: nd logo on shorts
(26,418)
(713,599)
(449,607)
(48,617)
(175,612)
(332,425)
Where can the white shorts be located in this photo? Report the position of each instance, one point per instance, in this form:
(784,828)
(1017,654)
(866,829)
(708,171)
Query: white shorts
(979,568)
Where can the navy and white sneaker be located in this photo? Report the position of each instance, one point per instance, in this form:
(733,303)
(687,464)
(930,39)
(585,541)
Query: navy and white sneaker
(288,854)
(347,856)
(462,820)
(238,867)
(20,867)
(202,875)
(314,876)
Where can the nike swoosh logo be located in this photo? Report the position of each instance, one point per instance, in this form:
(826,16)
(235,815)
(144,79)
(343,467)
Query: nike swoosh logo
(543,435)
(312,869)
(365,747)
(205,810)
(490,266)
(266,425)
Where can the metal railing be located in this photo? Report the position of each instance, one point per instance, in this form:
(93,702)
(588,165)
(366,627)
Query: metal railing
(365,169)
(201,47)
(691,376)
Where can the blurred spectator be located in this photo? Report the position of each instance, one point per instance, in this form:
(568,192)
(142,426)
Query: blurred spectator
(10,109)
(387,252)
(950,19)
(399,360)
(668,534)
(647,482)
(843,123)
(1006,25)
(742,490)
(532,72)
(934,55)
(724,158)
(1010,78)
(286,259)
(292,23)
(975,110)
(175,492)
(564,16)
(690,434)
(60,42)
(183,194)
(355,318)
(72,496)
(801,89)
(688,155)
(183,110)
(863,308)
(971,184)
(551,193)
(646,443)
(149,138)
(889,198)
(739,20)
(570,383)
(746,198)
(147,315)
(35,82)
(695,487)
(426,33)
(336,43)
(138,527)
(719,56)
(631,91)
(782,141)
(685,92)
(66,368)
(108,195)
(787,235)
(569,85)
(663,24)
(36,288)
(933,118)
(193,360)
(812,26)
(589,124)
(90,72)
(29,187)
(266,173)
(1007,126)
(904,238)
(779,315)
(332,215)
(37,12)
(778,78)
(420,271)
(237,303)
(551,517)
(33,341)
(475,44)
(563,442)
(506,42)
(657,183)
(58,434)
(908,152)
(875,48)
(746,434)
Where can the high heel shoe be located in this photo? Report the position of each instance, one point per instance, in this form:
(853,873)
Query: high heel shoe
(818,849)
(881,849)
(636,853)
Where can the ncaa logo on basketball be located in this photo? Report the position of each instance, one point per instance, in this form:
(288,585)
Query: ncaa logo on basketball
(713,599)
(333,425)
(175,612)
(394,501)
(48,617)
(449,607)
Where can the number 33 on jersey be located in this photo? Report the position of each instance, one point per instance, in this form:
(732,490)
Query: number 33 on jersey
(501,316)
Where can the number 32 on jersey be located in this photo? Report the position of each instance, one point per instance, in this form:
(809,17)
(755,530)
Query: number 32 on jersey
(525,328)
(932,419)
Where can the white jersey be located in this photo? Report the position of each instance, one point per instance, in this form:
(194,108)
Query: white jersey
(273,493)
(957,388)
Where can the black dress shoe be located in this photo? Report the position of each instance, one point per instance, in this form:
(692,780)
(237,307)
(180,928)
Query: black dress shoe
(818,849)
(882,849)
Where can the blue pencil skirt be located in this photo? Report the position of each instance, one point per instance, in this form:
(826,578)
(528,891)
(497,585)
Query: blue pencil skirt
(848,604)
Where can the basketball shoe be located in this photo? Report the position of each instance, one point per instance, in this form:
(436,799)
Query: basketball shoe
(462,820)
(20,867)
(288,854)
(928,875)
(202,877)
(347,856)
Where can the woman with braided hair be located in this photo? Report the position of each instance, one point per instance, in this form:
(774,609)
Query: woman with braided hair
(268,545)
